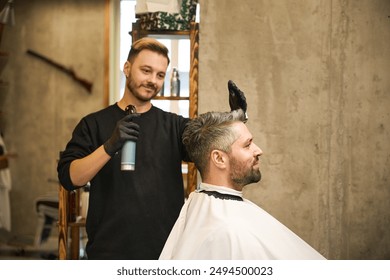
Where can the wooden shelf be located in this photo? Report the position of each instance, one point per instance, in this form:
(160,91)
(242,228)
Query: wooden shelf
(193,36)
(159,34)
(80,223)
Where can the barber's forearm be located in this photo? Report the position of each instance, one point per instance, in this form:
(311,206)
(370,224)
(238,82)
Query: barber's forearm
(84,169)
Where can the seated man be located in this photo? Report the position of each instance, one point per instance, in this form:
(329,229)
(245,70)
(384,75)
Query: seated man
(216,222)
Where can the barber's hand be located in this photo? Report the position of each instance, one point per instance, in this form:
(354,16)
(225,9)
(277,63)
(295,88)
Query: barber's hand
(237,98)
(125,130)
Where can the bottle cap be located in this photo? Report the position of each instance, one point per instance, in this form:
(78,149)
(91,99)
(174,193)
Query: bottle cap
(127,167)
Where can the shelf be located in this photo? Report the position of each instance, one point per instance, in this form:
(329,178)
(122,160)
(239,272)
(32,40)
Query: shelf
(78,223)
(160,34)
(193,36)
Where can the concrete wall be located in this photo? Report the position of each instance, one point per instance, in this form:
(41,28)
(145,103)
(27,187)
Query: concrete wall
(42,105)
(316,76)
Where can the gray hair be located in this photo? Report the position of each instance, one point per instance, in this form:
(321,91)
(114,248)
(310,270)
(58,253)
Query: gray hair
(210,131)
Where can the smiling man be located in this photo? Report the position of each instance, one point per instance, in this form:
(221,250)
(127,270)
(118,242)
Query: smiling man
(216,222)
(130,213)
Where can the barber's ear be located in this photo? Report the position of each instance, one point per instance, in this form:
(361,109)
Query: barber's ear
(218,158)
(126,68)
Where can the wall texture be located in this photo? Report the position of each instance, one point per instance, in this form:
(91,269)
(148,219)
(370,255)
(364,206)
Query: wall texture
(316,76)
(42,105)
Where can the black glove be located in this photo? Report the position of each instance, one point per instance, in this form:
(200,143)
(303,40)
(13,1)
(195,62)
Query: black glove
(237,99)
(125,130)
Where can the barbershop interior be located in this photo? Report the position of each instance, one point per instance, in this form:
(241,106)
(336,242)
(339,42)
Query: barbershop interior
(315,75)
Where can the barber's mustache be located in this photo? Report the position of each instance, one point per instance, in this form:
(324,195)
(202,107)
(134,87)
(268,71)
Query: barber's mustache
(152,86)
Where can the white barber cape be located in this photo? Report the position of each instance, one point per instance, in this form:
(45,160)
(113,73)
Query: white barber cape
(217,223)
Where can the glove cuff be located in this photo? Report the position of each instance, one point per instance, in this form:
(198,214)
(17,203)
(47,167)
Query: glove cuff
(109,149)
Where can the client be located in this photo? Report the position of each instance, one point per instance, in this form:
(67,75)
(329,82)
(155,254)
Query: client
(216,222)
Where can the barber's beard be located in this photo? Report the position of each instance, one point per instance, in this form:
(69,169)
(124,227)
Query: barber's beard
(242,174)
(134,88)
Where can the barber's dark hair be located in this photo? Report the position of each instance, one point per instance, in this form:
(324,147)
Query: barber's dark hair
(210,131)
(147,43)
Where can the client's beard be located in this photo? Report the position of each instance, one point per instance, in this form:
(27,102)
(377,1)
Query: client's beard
(243,177)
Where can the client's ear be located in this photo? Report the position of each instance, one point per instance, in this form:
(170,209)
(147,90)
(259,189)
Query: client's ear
(218,159)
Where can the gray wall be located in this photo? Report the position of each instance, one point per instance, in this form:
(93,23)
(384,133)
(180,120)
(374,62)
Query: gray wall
(315,74)
(42,105)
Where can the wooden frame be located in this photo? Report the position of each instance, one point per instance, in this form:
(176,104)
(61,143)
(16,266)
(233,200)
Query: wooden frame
(193,35)
(69,225)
